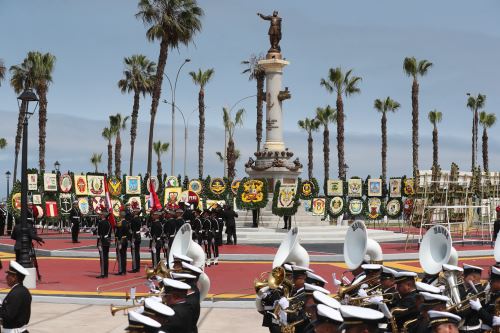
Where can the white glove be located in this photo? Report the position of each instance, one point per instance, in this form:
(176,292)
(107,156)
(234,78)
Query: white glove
(376,299)
(283,302)
(335,281)
(362,293)
(475,304)
(442,288)
(496,321)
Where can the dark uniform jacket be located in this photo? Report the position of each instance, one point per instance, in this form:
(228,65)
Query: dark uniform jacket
(156,231)
(487,312)
(299,296)
(121,232)
(409,308)
(193,300)
(182,320)
(471,317)
(75,215)
(104,233)
(135,228)
(16,307)
(197,226)
(16,235)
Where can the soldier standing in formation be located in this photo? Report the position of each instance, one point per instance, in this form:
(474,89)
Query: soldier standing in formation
(229,217)
(135,222)
(75,216)
(197,226)
(103,241)
(121,240)
(156,242)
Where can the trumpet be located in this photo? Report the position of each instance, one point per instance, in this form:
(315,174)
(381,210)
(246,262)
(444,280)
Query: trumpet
(343,291)
(361,301)
(114,309)
(464,304)
(138,298)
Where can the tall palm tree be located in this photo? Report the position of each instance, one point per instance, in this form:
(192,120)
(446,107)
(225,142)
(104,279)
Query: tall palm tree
(341,83)
(414,69)
(118,124)
(160,148)
(435,118)
(3,143)
(487,120)
(173,23)
(256,72)
(107,134)
(309,125)
(384,106)
(2,71)
(325,116)
(43,66)
(138,78)
(475,104)
(230,125)
(96,160)
(201,78)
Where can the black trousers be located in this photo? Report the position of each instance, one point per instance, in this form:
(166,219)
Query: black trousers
(231,235)
(121,257)
(104,260)
(155,248)
(215,247)
(135,253)
(255,217)
(288,222)
(208,246)
(75,230)
(496,228)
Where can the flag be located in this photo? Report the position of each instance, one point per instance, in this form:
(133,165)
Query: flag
(154,202)
(111,217)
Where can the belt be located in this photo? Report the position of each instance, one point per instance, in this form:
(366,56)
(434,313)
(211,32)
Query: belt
(15,330)
(471,328)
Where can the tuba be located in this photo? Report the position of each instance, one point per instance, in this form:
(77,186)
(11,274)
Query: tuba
(436,250)
(357,245)
(291,251)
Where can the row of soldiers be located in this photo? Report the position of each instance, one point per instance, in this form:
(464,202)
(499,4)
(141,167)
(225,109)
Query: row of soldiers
(161,227)
(380,299)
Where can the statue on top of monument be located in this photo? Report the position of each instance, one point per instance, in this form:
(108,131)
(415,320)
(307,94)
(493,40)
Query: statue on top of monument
(274,30)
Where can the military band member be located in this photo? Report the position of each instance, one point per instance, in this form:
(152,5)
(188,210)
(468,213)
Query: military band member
(168,229)
(197,227)
(135,222)
(298,294)
(430,301)
(121,240)
(229,217)
(328,320)
(156,310)
(75,216)
(443,322)
(405,308)
(138,323)
(487,314)
(315,279)
(179,221)
(15,311)
(178,259)
(214,228)
(388,286)
(174,295)
(207,236)
(471,286)
(193,295)
(265,303)
(359,319)
(156,231)
(103,241)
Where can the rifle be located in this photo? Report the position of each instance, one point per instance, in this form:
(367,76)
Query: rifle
(35,261)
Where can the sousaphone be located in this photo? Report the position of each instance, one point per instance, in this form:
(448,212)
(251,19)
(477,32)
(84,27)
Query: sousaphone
(357,246)
(436,250)
(291,251)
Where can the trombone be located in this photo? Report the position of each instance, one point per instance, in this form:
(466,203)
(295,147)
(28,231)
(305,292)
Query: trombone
(114,309)
(362,301)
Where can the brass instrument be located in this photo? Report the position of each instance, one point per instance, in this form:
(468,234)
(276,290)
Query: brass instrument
(161,269)
(260,282)
(464,304)
(290,328)
(343,291)
(138,298)
(275,279)
(407,324)
(363,301)
(114,309)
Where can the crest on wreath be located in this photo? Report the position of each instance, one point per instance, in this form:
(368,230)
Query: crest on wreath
(252,191)
(217,185)
(115,186)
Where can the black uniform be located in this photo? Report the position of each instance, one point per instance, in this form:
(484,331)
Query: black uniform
(268,300)
(15,311)
(121,233)
(472,323)
(182,320)
(207,237)
(487,312)
(103,244)
(214,228)
(229,215)
(16,235)
(408,307)
(193,300)
(299,317)
(220,229)
(75,217)
(135,240)
(197,227)
(170,227)
(156,242)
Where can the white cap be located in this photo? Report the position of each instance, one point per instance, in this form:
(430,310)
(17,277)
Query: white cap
(137,318)
(472,268)
(287,267)
(441,317)
(429,297)
(326,313)
(452,268)
(371,267)
(495,270)
(175,284)
(316,277)
(311,288)
(192,268)
(301,268)
(387,270)
(322,298)
(427,288)
(158,307)
(181,257)
(155,298)
(181,276)
(402,275)
(16,268)
(354,315)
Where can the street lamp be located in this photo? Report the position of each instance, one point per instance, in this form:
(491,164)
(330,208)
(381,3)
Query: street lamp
(7,175)
(172,91)
(26,97)
(57,166)
(346,167)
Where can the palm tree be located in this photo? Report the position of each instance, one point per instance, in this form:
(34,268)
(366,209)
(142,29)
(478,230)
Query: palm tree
(415,68)
(96,160)
(487,120)
(107,134)
(341,83)
(117,124)
(435,118)
(256,72)
(172,22)
(230,125)
(201,78)
(138,78)
(3,143)
(42,67)
(160,148)
(325,116)
(2,71)
(309,125)
(475,104)
(384,106)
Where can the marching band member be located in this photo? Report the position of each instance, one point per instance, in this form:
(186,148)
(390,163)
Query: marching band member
(103,240)
(311,307)
(138,323)
(488,313)
(405,308)
(197,226)
(430,301)
(298,294)
(15,311)
(388,285)
(328,320)
(155,243)
(121,240)
(75,218)
(174,295)
(178,259)
(315,279)
(156,310)
(471,286)
(443,322)
(192,297)
(134,219)
(207,236)
(360,320)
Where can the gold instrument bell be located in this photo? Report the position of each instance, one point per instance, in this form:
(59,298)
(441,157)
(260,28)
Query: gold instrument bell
(274,280)
(161,269)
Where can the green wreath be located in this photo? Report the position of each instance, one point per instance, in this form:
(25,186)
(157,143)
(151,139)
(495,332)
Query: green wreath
(251,205)
(329,208)
(363,208)
(401,187)
(290,211)
(381,210)
(398,214)
(16,188)
(363,187)
(314,189)
(216,196)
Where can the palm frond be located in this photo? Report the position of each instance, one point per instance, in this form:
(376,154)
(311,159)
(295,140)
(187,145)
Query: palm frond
(3,143)
(410,66)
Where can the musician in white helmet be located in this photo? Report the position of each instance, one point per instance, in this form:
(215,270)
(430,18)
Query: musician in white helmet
(15,311)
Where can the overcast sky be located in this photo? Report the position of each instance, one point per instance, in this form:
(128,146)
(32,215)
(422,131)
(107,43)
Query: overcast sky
(90,39)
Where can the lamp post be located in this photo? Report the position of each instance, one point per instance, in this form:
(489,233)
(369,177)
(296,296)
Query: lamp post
(57,166)
(346,167)
(26,97)
(172,90)
(7,175)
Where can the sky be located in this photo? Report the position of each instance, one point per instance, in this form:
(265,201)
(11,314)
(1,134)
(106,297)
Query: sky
(91,38)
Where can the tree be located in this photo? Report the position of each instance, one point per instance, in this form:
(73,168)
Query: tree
(230,125)
(3,143)
(487,120)
(96,160)
(325,116)
(384,106)
(414,69)
(173,23)
(107,134)
(160,148)
(341,83)
(435,118)
(138,78)
(117,124)
(2,71)
(309,125)
(256,72)
(201,78)
(475,104)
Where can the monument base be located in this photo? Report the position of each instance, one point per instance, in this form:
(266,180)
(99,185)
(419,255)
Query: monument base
(274,174)
(30,280)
